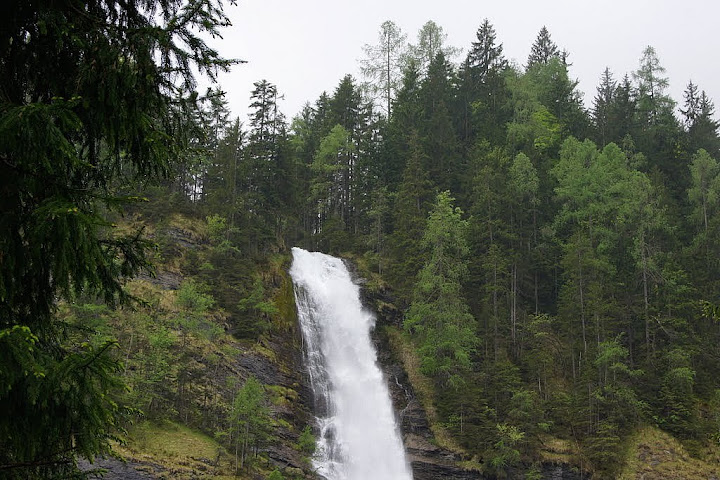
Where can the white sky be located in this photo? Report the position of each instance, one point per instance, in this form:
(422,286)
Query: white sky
(305,47)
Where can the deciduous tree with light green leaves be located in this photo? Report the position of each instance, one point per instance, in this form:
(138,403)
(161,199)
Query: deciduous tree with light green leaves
(250,421)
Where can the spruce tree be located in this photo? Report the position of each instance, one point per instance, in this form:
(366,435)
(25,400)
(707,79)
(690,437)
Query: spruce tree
(437,130)
(483,102)
(409,215)
(87,112)
(621,112)
(700,124)
(601,107)
(542,50)
(439,316)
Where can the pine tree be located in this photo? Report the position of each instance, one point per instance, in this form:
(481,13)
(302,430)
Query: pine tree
(87,114)
(439,316)
(601,106)
(542,50)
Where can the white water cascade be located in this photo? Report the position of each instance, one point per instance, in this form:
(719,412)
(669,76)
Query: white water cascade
(359,439)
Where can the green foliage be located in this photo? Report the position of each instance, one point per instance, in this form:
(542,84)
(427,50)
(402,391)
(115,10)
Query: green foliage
(438,315)
(565,304)
(217,227)
(306,441)
(275,475)
(190,297)
(250,416)
(504,454)
(76,138)
(412,204)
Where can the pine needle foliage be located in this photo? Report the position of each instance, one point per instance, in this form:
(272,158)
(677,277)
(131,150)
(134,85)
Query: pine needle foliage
(88,109)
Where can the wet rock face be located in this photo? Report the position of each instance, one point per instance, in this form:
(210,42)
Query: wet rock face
(559,472)
(118,470)
(427,460)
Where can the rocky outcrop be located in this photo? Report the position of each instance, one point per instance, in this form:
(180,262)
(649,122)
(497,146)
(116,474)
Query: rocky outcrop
(286,372)
(427,460)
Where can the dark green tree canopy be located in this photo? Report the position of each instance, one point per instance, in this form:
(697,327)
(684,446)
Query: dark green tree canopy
(543,49)
(91,105)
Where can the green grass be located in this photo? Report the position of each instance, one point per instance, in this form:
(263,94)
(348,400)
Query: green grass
(182,453)
(655,455)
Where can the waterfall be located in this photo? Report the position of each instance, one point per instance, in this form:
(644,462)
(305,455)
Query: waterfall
(359,439)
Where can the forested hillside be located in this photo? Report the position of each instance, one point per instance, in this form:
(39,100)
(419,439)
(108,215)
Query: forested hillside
(555,266)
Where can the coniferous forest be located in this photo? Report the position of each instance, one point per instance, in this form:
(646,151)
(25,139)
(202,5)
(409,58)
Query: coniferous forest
(554,268)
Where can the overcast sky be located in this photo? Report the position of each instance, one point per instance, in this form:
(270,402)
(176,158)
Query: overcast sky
(306,47)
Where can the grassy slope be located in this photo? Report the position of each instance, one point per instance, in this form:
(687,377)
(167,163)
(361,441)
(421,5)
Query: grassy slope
(178,451)
(170,449)
(655,455)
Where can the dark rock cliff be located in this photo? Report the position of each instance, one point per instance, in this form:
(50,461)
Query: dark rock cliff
(428,461)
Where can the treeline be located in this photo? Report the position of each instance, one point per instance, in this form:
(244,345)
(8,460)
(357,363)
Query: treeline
(553,261)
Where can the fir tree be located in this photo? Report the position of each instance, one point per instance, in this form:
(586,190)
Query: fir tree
(542,50)
(439,315)
(87,114)
(601,106)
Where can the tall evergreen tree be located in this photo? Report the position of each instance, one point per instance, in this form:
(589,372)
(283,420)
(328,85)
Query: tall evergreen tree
(486,55)
(621,112)
(490,244)
(267,155)
(700,124)
(437,130)
(86,114)
(412,204)
(601,106)
(439,315)
(542,50)
(704,195)
(482,93)
(403,125)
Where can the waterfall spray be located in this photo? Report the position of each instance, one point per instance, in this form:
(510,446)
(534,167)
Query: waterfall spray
(359,438)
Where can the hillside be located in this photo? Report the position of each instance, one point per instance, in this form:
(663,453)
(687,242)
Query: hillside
(546,275)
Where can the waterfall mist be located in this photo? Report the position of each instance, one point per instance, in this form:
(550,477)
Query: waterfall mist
(359,438)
